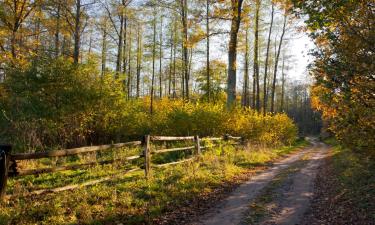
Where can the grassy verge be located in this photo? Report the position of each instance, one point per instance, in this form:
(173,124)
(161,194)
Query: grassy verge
(132,199)
(356,183)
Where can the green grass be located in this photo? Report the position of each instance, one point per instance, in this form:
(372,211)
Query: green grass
(356,175)
(131,199)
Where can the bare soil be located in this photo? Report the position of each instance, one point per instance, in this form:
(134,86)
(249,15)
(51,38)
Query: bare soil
(292,204)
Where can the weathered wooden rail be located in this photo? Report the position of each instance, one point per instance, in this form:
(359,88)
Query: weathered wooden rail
(8,161)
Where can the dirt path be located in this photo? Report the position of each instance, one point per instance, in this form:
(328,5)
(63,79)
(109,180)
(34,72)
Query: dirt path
(294,201)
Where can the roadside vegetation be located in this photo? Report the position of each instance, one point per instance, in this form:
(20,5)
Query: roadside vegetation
(356,187)
(132,199)
(344,188)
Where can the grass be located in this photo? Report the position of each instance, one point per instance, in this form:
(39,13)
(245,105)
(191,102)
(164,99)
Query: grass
(131,199)
(356,176)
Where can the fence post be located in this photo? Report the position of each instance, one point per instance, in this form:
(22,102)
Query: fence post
(147,155)
(197,145)
(4,167)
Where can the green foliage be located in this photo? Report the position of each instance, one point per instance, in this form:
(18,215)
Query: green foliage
(218,76)
(132,199)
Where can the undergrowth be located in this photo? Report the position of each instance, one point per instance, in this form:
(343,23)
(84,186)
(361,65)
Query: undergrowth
(356,175)
(132,199)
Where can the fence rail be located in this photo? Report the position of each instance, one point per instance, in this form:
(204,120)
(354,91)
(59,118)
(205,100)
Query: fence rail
(8,161)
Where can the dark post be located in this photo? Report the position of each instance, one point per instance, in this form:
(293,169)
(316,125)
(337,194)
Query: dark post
(197,145)
(147,155)
(4,166)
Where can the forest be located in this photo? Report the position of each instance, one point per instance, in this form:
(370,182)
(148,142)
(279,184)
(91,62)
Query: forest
(85,74)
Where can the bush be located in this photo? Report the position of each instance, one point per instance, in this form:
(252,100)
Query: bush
(60,104)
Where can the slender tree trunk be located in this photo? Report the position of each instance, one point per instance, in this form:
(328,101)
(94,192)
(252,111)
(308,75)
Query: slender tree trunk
(160,58)
(77,32)
(256,57)
(208,49)
(125,57)
(185,47)
(282,87)
(104,48)
(183,73)
(254,89)
(246,73)
(170,64)
(266,63)
(57,32)
(120,46)
(139,56)
(153,63)
(174,57)
(276,64)
(129,62)
(232,53)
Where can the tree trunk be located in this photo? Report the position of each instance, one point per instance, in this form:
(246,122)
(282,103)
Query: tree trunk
(232,53)
(245,95)
(104,48)
(276,65)
(125,58)
(266,63)
(160,58)
(120,46)
(153,64)
(208,49)
(139,56)
(256,57)
(129,62)
(185,47)
(282,87)
(57,32)
(174,59)
(170,64)
(77,32)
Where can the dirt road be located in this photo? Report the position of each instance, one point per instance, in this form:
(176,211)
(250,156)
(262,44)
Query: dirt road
(292,199)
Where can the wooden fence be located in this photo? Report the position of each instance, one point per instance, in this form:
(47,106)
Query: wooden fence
(8,161)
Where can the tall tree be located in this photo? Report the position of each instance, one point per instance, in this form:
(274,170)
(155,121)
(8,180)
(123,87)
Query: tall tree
(277,62)
(266,63)
(185,59)
(139,57)
(160,57)
(256,99)
(236,9)
(13,14)
(208,49)
(153,60)
(245,96)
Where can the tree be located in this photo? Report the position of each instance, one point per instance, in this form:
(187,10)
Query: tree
(236,8)
(13,15)
(256,91)
(266,63)
(343,32)
(276,63)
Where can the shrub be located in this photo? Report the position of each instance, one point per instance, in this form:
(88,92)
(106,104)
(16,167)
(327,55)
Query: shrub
(60,104)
